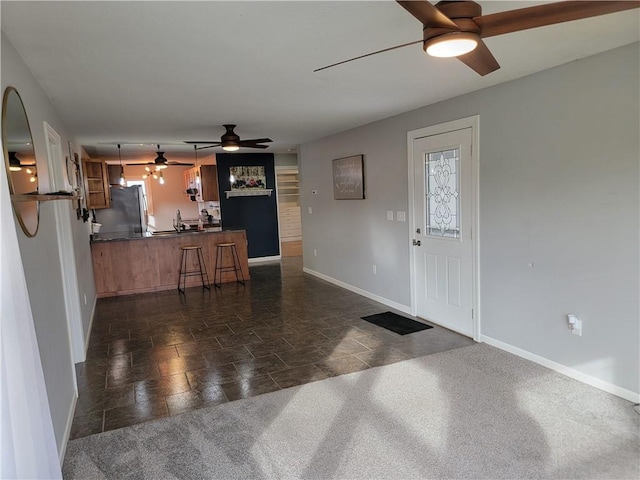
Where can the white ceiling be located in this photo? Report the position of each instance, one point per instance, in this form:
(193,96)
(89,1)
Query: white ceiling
(164,72)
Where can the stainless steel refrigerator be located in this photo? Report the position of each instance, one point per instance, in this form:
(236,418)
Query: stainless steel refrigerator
(127,213)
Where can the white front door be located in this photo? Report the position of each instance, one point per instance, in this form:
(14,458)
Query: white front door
(442,238)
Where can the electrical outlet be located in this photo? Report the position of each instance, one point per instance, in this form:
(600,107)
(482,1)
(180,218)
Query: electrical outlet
(575,325)
(577,329)
(374,269)
(315,252)
(85,298)
(310,210)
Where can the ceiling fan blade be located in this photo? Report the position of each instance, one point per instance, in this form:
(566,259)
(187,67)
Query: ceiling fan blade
(182,164)
(549,14)
(139,164)
(480,59)
(369,54)
(252,145)
(209,146)
(429,15)
(215,142)
(256,140)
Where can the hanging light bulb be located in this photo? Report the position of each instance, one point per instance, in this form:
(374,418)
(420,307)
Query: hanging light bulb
(122,179)
(195,150)
(161,178)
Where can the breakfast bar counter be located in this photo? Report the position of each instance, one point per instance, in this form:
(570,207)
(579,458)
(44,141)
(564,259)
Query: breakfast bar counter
(148,263)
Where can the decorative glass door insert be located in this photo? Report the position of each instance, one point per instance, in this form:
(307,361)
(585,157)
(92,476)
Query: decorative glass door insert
(442,193)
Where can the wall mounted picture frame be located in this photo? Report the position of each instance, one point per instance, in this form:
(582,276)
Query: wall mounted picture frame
(348,178)
(248,177)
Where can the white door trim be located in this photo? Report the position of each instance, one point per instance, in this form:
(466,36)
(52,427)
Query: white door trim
(468,122)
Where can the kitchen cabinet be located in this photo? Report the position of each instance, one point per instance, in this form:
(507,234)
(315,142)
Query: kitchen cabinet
(96,183)
(113,173)
(208,187)
(150,264)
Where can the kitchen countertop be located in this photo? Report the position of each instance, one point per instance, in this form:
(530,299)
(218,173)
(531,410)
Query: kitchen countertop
(125,266)
(123,236)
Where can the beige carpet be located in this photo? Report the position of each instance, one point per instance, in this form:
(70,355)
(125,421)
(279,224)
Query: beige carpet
(474,412)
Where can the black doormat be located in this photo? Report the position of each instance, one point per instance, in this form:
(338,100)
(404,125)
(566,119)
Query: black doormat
(396,323)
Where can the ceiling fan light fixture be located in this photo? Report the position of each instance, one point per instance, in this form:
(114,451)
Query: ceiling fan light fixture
(451,44)
(230,147)
(14,162)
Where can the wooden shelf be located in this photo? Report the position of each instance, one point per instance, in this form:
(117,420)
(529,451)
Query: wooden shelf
(96,183)
(249,192)
(42,197)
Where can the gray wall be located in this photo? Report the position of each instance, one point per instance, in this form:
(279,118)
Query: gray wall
(286,159)
(559,187)
(40,255)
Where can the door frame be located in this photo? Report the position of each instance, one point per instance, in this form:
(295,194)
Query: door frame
(460,124)
(62,213)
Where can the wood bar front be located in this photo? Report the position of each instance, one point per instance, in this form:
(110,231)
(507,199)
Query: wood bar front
(126,266)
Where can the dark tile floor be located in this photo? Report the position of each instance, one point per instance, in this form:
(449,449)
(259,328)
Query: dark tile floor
(159,354)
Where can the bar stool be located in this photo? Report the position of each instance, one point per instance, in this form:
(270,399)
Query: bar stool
(220,267)
(202,268)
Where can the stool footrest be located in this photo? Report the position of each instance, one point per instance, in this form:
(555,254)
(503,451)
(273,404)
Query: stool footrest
(201,272)
(220,267)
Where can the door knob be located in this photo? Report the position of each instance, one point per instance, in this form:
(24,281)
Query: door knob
(416,243)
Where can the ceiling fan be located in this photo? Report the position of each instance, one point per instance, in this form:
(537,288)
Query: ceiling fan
(456,28)
(161,161)
(231,142)
(15,164)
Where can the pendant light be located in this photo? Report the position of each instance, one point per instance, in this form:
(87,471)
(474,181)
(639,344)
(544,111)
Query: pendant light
(195,150)
(14,162)
(123,182)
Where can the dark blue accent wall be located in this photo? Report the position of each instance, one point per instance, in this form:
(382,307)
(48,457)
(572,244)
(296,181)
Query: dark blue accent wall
(257,215)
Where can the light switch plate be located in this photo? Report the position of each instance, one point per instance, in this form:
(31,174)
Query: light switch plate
(401,216)
(390,215)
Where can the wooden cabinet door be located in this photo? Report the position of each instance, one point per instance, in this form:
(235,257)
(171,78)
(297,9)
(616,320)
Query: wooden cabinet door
(96,183)
(209,181)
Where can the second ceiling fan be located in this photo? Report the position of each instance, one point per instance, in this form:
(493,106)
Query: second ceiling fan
(160,161)
(230,141)
(456,28)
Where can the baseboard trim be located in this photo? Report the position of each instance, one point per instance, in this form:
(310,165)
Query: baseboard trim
(359,291)
(88,337)
(67,430)
(564,370)
(274,258)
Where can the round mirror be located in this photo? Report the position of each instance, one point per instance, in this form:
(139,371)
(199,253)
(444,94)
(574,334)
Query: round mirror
(20,161)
